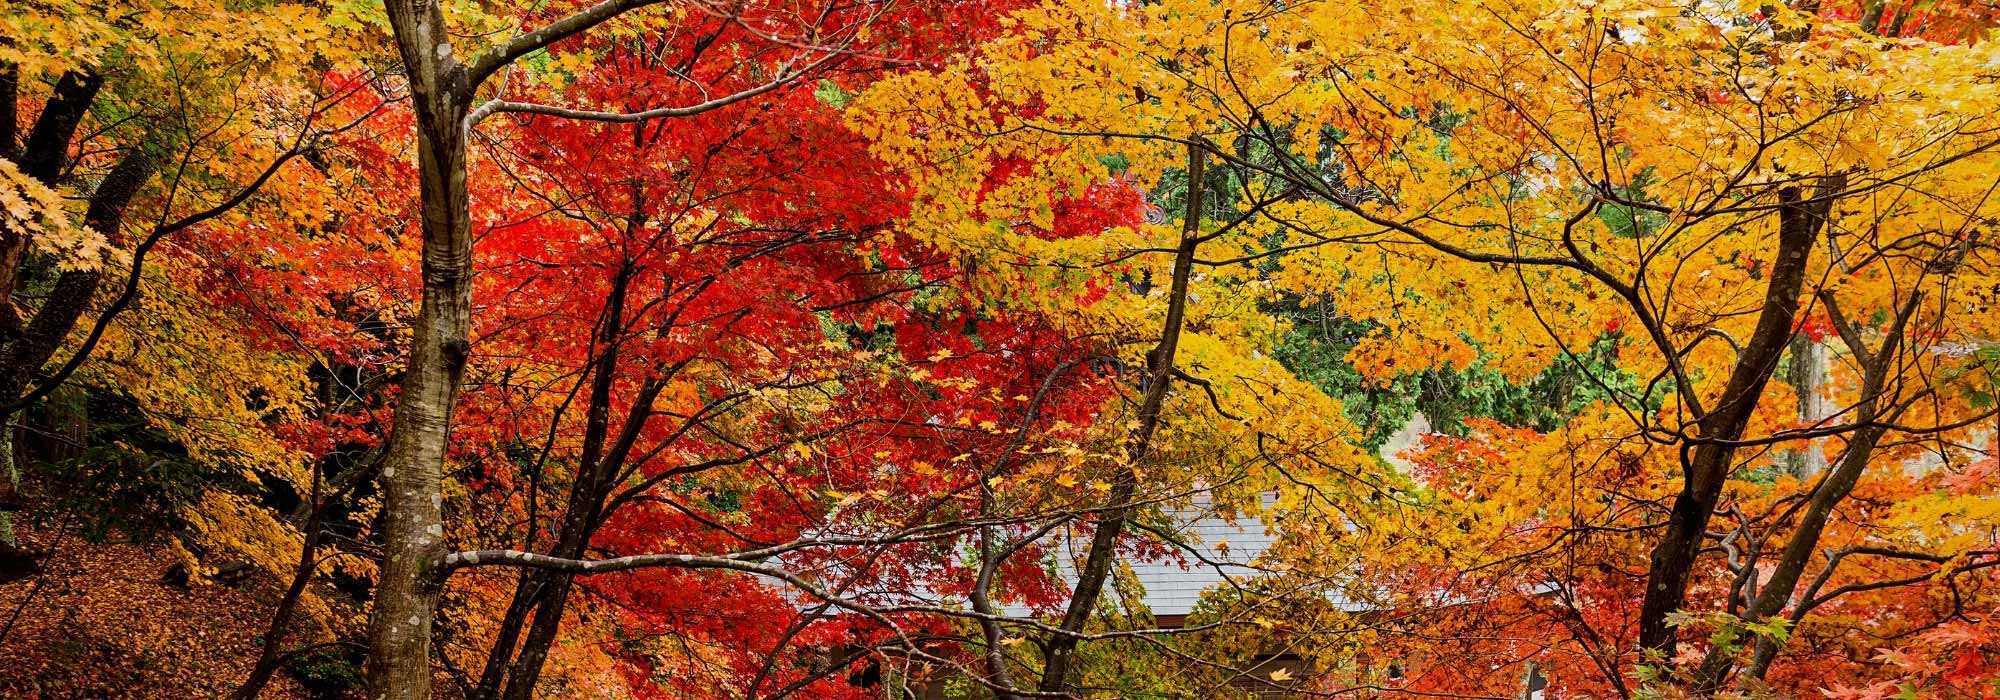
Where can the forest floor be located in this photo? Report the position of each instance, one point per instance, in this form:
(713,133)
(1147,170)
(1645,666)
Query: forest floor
(100,623)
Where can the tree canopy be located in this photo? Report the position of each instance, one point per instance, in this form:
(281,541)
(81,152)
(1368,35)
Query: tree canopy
(809,348)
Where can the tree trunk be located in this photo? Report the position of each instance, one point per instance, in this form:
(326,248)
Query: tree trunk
(26,344)
(997,672)
(1808,380)
(1707,470)
(1159,374)
(10,107)
(585,509)
(1799,550)
(412,528)
(43,156)
(272,653)
(528,587)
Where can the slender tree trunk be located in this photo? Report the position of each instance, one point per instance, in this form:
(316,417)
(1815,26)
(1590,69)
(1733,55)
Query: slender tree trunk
(528,587)
(314,510)
(584,511)
(526,670)
(412,528)
(1707,469)
(539,595)
(997,672)
(272,653)
(10,486)
(1871,15)
(1798,553)
(1804,542)
(1808,380)
(1159,374)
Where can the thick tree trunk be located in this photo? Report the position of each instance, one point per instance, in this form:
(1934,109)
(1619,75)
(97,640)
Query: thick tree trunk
(1706,471)
(412,528)
(413,523)
(46,151)
(43,156)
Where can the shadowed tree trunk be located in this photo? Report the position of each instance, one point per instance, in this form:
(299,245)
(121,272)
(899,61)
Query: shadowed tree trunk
(1706,463)
(1778,590)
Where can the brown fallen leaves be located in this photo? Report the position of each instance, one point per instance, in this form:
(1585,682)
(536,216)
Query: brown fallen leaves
(103,626)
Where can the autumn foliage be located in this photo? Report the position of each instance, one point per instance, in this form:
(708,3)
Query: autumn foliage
(808,348)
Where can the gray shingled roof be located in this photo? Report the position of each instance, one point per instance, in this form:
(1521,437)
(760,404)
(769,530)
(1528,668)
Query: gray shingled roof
(1215,551)
(1212,551)
(1218,554)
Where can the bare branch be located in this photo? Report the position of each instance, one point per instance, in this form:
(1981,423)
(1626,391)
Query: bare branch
(501,56)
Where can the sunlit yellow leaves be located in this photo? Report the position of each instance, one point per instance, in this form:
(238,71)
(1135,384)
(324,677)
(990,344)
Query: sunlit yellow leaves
(189,368)
(33,210)
(166,41)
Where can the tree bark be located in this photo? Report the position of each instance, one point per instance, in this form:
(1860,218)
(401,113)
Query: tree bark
(528,587)
(1798,552)
(46,151)
(1706,471)
(10,108)
(272,653)
(1808,380)
(1001,677)
(43,156)
(24,351)
(412,528)
(1804,542)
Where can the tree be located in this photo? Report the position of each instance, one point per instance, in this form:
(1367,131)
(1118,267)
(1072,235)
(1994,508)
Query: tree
(1661,179)
(993,180)
(190,100)
(823,349)
(677,328)
(145,126)
(446,104)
